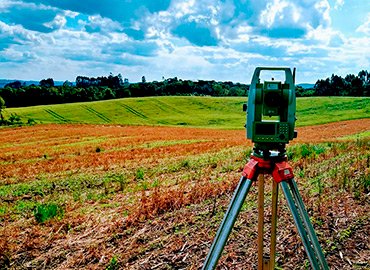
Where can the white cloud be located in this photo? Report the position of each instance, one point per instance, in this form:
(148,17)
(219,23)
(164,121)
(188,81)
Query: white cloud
(365,27)
(338,4)
(70,14)
(226,10)
(323,7)
(279,12)
(5,5)
(241,30)
(354,53)
(58,22)
(17,33)
(102,25)
(325,36)
(17,56)
(183,8)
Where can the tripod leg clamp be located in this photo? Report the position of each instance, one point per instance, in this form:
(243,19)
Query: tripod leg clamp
(282,172)
(251,170)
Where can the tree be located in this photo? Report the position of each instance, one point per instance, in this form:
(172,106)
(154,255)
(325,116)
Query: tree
(2,107)
(357,87)
(348,80)
(364,76)
(322,87)
(47,83)
(337,85)
(135,90)
(82,81)
(299,91)
(143,80)
(218,90)
(119,76)
(14,85)
(67,84)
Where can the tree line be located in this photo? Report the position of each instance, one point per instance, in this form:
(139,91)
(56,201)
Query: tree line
(16,94)
(350,85)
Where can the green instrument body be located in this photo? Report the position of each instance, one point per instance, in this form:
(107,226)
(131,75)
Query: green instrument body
(271,108)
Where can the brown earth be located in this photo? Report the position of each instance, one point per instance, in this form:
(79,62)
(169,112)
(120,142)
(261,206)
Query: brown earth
(332,131)
(171,226)
(49,149)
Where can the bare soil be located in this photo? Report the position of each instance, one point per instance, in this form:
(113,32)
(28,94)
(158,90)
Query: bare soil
(172,225)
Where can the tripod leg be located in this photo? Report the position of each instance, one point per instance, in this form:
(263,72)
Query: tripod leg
(267,263)
(261,202)
(306,219)
(227,223)
(274,205)
(304,226)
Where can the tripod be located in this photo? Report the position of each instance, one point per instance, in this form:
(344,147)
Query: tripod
(263,161)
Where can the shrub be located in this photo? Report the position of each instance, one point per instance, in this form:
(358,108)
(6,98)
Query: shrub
(140,174)
(113,264)
(305,151)
(44,212)
(15,119)
(31,121)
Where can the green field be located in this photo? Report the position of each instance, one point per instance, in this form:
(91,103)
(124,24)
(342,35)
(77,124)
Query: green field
(214,112)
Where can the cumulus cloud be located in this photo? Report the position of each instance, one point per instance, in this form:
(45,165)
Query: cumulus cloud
(292,19)
(365,27)
(16,56)
(117,13)
(140,48)
(31,17)
(98,24)
(58,22)
(338,4)
(117,10)
(222,22)
(280,12)
(14,34)
(223,39)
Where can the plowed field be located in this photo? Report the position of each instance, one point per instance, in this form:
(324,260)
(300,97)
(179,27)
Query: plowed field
(143,197)
(30,151)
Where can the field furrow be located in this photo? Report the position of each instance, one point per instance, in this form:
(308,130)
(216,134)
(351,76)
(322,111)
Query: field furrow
(80,196)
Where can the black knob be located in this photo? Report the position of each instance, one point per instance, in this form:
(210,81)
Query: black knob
(245,107)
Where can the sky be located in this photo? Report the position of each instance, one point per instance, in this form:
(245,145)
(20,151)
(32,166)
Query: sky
(222,40)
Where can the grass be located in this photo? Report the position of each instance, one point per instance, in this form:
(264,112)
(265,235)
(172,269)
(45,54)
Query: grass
(44,212)
(88,186)
(212,112)
(358,136)
(320,110)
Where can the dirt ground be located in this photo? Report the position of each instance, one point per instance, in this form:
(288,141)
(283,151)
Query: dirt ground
(175,222)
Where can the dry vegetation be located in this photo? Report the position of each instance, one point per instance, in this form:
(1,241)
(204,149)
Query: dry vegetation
(113,197)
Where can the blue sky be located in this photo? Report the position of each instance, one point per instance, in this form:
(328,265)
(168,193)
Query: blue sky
(221,40)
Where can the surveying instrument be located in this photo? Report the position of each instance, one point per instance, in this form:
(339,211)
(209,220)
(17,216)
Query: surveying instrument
(270,125)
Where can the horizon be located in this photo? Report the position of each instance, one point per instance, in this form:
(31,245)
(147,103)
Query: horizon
(221,40)
(62,81)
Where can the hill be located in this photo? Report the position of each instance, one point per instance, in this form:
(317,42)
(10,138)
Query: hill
(214,112)
(306,85)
